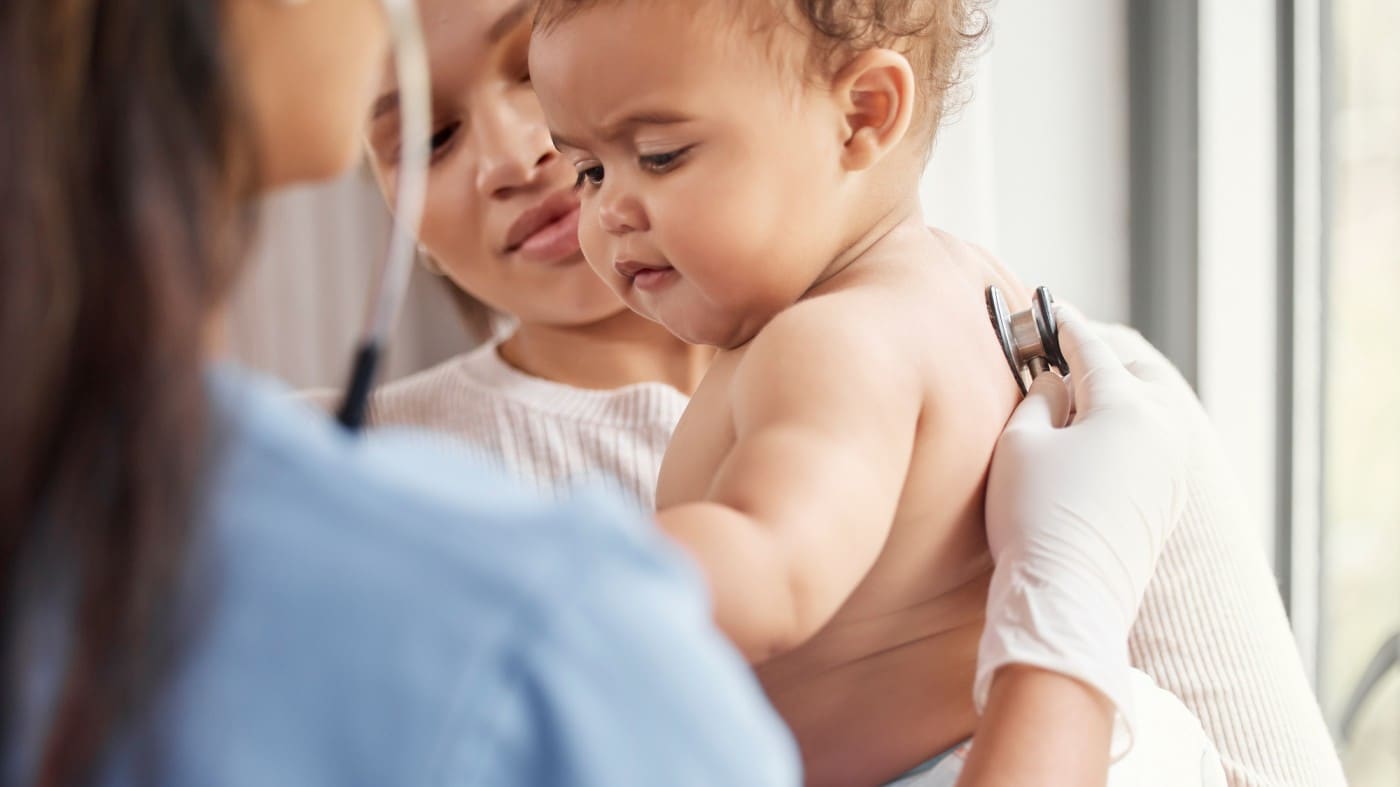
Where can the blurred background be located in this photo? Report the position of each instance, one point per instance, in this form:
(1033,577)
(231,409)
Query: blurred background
(1222,174)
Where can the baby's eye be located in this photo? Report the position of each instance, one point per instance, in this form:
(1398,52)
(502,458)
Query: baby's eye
(593,176)
(662,162)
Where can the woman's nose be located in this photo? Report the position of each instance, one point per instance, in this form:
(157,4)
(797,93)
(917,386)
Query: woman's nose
(513,156)
(501,176)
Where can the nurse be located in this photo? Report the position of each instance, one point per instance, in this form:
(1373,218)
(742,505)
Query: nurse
(205,583)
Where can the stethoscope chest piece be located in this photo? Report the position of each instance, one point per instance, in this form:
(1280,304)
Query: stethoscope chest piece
(1030,340)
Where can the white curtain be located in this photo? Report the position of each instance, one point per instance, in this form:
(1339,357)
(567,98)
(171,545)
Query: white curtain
(298,311)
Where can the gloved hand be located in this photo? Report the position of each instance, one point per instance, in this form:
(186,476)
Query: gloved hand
(1077,516)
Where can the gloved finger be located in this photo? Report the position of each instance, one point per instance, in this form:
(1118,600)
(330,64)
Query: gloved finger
(1163,384)
(1095,370)
(1153,371)
(1046,405)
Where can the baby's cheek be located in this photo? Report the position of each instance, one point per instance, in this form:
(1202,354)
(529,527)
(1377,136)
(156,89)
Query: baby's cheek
(729,237)
(594,241)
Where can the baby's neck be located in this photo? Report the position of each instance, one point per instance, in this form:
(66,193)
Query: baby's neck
(890,230)
(624,349)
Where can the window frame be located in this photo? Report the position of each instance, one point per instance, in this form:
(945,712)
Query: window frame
(1230,199)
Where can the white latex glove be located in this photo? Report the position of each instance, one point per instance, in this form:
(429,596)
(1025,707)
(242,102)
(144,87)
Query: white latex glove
(1076,518)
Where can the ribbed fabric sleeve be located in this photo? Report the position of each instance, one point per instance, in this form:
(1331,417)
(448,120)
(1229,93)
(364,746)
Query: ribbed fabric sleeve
(553,436)
(1212,628)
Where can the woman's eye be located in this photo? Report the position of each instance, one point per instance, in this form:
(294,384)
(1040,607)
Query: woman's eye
(661,162)
(443,137)
(593,176)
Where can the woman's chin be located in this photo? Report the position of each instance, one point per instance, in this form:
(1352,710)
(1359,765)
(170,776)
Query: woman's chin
(563,314)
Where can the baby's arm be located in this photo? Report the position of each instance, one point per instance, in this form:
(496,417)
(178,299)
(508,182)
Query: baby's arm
(825,414)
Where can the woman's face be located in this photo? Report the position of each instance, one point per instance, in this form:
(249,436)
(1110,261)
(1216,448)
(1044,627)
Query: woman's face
(338,48)
(502,213)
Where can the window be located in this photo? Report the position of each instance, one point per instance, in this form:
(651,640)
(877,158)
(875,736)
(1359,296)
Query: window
(1292,170)
(1360,570)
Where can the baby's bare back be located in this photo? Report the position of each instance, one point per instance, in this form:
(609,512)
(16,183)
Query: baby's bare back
(886,682)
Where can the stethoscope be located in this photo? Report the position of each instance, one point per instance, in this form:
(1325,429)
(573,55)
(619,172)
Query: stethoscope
(1030,340)
(411,190)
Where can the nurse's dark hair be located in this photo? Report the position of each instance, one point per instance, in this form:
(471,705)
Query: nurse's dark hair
(122,214)
(935,35)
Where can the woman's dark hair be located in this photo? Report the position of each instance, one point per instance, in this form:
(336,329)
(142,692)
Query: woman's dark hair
(123,185)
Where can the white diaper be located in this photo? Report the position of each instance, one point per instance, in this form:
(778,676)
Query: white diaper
(1169,748)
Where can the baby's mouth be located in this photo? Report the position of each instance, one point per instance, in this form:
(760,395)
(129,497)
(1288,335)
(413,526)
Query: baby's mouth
(645,276)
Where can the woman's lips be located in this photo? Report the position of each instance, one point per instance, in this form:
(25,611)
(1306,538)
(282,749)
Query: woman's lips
(554,242)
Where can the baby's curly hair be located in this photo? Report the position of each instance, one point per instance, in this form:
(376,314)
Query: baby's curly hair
(935,35)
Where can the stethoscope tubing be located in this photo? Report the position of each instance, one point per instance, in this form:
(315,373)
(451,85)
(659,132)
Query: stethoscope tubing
(410,192)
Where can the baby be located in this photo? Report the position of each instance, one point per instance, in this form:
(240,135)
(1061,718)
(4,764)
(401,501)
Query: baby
(749,177)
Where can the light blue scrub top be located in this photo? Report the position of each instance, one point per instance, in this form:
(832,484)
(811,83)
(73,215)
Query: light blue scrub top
(376,611)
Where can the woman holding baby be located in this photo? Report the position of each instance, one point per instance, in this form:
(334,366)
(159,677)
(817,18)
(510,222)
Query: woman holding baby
(560,367)
(207,583)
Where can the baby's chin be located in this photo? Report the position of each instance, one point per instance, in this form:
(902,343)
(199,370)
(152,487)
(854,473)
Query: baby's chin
(706,330)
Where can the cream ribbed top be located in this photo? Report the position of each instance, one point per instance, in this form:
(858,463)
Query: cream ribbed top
(1212,629)
(551,435)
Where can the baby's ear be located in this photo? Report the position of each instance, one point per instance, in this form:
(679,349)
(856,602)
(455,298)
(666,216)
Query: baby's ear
(877,90)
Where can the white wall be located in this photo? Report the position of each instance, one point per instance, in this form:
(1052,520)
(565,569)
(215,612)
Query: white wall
(1036,166)
(1239,245)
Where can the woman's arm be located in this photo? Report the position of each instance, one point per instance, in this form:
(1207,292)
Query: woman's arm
(1212,629)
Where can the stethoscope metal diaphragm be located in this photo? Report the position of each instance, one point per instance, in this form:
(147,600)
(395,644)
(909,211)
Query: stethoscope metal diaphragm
(1030,340)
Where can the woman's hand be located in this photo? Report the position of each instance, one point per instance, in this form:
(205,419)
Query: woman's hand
(1077,515)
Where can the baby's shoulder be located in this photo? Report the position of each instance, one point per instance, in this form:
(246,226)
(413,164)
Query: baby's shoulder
(841,333)
(844,318)
(847,313)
